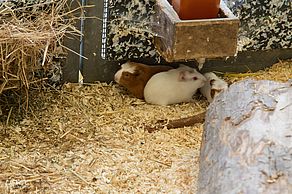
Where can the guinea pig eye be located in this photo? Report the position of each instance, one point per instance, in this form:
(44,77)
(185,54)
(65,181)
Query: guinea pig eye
(195,78)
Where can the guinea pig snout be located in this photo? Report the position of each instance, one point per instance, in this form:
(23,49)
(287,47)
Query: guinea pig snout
(117,76)
(203,79)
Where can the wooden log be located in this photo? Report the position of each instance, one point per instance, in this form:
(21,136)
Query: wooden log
(247,140)
(177,123)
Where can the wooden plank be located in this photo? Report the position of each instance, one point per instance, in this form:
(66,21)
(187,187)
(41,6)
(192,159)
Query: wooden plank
(166,18)
(71,65)
(180,40)
(95,68)
(206,40)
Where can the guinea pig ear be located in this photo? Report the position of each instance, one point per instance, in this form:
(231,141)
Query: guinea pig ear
(213,93)
(181,76)
(136,73)
(212,82)
(139,72)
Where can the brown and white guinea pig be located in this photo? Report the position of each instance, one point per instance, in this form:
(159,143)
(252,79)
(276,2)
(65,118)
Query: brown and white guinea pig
(134,76)
(173,86)
(213,86)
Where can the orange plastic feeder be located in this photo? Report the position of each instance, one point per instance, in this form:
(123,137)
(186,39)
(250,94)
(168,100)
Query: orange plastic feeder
(196,9)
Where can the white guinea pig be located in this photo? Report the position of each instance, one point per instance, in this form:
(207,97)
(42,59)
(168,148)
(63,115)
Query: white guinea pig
(173,86)
(213,86)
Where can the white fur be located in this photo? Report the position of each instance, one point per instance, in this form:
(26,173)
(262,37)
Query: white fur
(218,84)
(126,67)
(166,87)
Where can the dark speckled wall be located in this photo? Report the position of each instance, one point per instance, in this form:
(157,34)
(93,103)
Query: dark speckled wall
(130,35)
(265,24)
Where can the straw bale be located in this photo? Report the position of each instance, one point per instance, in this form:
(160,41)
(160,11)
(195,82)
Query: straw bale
(91,139)
(31,50)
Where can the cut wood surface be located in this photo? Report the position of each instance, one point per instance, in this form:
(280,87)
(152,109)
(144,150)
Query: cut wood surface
(247,140)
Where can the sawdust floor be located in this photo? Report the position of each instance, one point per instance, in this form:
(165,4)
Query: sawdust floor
(91,139)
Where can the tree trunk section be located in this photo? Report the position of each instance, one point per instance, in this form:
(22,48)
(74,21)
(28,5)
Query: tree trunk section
(247,140)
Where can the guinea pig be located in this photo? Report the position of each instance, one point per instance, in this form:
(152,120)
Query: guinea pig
(173,86)
(134,76)
(213,86)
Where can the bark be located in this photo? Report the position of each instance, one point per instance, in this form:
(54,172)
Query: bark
(247,140)
(177,123)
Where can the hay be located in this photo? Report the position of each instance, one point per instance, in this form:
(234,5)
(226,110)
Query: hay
(31,36)
(91,139)
(281,71)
